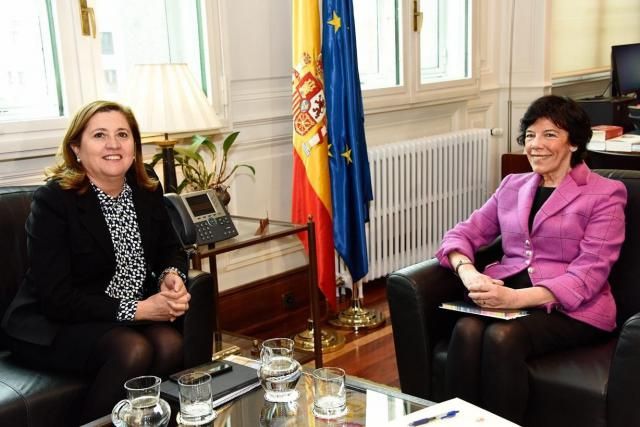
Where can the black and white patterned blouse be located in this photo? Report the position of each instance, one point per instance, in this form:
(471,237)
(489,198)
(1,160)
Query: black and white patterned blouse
(128,280)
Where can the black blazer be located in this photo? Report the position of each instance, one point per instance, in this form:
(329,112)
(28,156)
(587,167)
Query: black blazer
(72,260)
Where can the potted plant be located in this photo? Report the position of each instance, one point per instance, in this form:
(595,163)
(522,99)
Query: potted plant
(203,172)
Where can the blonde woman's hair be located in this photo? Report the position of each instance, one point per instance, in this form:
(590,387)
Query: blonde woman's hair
(70,173)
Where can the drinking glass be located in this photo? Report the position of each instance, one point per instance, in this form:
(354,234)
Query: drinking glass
(329,393)
(195,399)
(279,372)
(143,406)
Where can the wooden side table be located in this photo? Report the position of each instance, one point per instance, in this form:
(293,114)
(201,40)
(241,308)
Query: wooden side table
(247,236)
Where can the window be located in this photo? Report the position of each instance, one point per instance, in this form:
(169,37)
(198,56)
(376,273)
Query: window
(379,44)
(146,32)
(54,69)
(445,41)
(30,85)
(432,62)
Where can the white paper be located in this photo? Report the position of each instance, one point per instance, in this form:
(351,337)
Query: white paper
(469,416)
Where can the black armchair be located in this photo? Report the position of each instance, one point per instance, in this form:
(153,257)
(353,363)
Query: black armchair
(591,386)
(37,398)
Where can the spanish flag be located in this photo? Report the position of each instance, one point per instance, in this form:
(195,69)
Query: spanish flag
(311,182)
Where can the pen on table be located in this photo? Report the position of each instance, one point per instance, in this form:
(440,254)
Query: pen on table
(442,416)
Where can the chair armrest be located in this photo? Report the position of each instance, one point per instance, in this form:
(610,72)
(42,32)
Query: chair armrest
(622,403)
(414,294)
(198,320)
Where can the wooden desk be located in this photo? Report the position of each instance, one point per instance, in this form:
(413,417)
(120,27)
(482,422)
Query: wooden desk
(613,160)
(517,163)
(247,237)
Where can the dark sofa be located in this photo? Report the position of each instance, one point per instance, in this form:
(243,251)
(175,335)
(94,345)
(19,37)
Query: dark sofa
(589,386)
(36,398)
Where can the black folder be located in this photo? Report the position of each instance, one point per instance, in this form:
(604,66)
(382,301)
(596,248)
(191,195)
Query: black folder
(239,380)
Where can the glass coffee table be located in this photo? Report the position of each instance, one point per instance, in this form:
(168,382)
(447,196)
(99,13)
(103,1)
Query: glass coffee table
(368,403)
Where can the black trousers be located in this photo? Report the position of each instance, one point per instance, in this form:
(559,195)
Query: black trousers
(486,361)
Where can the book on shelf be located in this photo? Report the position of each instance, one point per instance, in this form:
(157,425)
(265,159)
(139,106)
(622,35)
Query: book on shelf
(239,380)
(604,132)
(471,308)
(596,145)
(626,142)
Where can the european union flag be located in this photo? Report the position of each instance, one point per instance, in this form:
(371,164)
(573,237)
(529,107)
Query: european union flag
(348,160)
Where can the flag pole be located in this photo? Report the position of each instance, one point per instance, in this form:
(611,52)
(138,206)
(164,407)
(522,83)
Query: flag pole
(356,316)
(308,340)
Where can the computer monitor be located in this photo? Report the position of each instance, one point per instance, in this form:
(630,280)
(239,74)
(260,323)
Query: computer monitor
(625,69)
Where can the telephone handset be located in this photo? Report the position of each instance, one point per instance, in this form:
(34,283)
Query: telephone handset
(199,217)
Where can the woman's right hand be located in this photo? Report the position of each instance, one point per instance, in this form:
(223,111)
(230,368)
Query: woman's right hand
(470,276)
(162,306)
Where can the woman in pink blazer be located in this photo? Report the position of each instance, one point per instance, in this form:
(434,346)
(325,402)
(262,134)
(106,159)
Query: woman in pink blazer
(562,227)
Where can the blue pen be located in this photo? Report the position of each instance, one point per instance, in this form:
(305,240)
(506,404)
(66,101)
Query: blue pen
(442,416)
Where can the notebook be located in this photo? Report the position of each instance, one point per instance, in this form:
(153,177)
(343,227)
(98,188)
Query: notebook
(239,380)
(498,313)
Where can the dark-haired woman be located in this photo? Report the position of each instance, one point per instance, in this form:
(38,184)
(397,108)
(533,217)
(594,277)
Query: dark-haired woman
(562,227)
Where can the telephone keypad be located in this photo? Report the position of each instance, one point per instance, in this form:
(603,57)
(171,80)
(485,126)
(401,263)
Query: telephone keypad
(210,230)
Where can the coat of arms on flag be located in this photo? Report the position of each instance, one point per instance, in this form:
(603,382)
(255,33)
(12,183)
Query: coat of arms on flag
(308,103)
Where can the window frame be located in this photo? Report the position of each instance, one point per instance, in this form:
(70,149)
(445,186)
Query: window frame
(413,93)
(79,60)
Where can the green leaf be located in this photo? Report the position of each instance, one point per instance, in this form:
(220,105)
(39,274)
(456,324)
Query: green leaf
(198,174)
(198,138)
(228,142)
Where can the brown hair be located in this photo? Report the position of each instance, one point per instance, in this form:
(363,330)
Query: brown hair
(71,174)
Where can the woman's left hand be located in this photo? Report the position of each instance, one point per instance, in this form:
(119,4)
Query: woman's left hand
(493,296)
(173,284)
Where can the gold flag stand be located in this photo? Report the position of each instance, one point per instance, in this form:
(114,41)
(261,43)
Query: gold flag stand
(356,317)
(329,340)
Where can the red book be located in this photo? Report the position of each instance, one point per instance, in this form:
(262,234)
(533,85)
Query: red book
(604,132)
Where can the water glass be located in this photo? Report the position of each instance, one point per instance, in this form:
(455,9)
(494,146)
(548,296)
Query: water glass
(195,399)
(329,393)
(279,372)
(143,406)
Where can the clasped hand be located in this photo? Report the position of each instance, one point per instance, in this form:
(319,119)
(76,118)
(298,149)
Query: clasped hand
(486,291)
(170,303)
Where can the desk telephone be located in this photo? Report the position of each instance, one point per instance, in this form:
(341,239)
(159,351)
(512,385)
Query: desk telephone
(200,217)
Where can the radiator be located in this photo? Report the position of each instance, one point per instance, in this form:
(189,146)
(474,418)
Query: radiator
(421,188)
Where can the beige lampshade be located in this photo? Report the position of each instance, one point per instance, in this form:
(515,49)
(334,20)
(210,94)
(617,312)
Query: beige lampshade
(165,98)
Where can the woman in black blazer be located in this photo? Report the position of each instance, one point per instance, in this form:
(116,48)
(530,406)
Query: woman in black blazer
(107,273)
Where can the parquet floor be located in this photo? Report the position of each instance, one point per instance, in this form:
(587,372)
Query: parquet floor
(368,354)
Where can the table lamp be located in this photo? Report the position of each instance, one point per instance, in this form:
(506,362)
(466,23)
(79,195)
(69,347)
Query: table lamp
(166,99)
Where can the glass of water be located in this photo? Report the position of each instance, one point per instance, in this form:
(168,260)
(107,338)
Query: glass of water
(279,372)
(143,406)
(195,399)
(329,393)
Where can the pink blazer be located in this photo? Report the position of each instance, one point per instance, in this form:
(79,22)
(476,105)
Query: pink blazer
(575,239)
